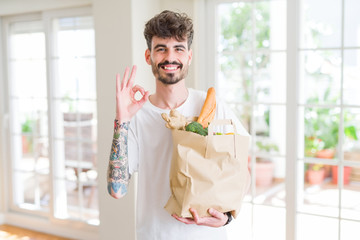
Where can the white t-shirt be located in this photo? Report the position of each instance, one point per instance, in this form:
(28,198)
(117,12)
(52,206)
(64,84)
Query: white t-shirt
(150,153)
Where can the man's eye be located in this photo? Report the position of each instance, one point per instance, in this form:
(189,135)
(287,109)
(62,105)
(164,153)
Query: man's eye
(179,49)
(160,49)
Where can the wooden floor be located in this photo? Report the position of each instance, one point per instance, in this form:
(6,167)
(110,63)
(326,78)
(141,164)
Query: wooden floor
(14,233)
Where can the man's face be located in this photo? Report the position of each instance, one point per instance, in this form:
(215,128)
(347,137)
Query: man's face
(169,59)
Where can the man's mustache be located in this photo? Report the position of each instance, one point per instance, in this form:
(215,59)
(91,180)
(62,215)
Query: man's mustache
(170,63)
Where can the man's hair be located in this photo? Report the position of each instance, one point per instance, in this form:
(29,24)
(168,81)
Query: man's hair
(168,24)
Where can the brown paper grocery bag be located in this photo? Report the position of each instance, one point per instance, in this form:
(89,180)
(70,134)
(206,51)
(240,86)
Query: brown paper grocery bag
(208,172)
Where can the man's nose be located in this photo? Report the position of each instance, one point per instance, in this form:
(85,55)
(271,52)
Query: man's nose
(170,56)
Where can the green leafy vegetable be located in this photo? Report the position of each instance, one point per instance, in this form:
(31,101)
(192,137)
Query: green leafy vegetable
(197,128)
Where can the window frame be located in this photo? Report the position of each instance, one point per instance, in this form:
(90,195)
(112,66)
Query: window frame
(50,49)
(14,213)
(9,154)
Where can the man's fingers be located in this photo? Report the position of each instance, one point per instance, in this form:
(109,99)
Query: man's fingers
(215,213)
(217,219)
(195,215)
(144,98)
(132,76)
(145,94)
(142,101)
(125,78)
(137,88)
(183,220)
(118,82)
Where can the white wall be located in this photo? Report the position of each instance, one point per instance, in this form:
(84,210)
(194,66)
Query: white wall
(141,12)
(114,51)
(2,179)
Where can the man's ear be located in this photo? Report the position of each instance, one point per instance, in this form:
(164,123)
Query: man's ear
(190,56)
(148,56)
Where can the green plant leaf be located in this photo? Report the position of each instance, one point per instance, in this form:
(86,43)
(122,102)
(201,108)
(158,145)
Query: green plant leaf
(350,132)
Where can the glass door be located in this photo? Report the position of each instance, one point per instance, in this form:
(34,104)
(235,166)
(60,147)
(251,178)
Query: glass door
(29,116)
(329,106)
(251,77)
(53,115)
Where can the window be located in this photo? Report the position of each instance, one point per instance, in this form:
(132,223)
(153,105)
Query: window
(328,118)
(28,104)
(52,102)
(74,100)
(251,71)
(251,55)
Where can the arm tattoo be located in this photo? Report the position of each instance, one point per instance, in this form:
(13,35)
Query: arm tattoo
(118,171)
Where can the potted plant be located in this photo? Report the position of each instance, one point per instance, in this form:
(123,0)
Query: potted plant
(321,133)
(315,173)
(352,153)
(321,130)
(346,174)
(27,141)
(264,166)
(323,144)
(351,150)
(321,127)
(312,146)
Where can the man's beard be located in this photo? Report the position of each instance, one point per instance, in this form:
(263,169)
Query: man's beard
(169,78)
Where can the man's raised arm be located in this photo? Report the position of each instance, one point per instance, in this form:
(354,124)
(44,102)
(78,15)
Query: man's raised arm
(118,170)
(118,175)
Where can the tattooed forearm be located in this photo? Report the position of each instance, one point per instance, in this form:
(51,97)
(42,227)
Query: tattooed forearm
(118,170)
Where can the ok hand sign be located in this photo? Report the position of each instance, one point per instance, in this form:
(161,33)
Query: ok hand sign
(126,104)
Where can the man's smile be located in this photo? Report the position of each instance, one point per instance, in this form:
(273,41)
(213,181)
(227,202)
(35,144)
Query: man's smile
(170,67)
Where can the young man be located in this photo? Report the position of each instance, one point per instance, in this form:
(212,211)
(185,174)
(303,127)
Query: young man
(141,141)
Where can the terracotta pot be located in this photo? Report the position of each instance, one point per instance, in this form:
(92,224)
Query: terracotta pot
(25,144)
(326,153)
(346,173)
(315,176)
(264,173)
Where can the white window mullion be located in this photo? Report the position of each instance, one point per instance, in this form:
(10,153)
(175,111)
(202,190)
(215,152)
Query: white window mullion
(210,69)
(3,121)
(292,132)
(340,145)
(11,148)
(51,113)
(252,129)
